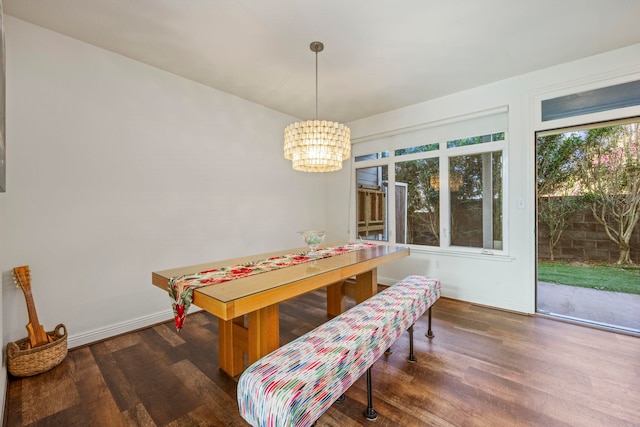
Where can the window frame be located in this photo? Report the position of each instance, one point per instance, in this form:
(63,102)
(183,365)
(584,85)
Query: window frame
(443,153)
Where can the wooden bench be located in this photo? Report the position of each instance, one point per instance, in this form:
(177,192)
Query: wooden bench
(296,384)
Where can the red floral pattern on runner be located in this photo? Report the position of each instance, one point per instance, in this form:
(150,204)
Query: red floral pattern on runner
(181,288)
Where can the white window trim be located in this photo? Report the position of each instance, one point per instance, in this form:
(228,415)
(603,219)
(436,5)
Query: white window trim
(444,154)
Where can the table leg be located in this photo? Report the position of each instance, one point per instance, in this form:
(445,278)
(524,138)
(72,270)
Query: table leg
(264,332)
(260,337)
(230,354)
(336,299)
(366,285)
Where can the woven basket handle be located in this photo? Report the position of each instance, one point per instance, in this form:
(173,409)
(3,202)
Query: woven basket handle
(58,328)
(12,350)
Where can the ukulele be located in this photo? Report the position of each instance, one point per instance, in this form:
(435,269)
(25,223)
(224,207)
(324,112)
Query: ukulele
(37,335)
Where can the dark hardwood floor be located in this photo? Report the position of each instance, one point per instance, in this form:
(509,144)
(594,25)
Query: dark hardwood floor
(484,367)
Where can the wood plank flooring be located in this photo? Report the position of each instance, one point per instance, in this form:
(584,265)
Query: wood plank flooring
(484,367)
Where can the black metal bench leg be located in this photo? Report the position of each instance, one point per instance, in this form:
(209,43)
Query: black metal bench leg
(412,357)
(370,413)
(429,333)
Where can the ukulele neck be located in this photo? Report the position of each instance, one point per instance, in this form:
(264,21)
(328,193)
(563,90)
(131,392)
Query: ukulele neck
(31,307)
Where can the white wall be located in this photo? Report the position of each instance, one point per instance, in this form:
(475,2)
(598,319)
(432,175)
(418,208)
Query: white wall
(117,169)
(501,281)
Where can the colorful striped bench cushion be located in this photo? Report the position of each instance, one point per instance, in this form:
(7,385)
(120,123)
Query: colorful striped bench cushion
(296,383)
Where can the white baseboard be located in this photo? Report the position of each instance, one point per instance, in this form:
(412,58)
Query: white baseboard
(110,331)
(5,382)
(387,281)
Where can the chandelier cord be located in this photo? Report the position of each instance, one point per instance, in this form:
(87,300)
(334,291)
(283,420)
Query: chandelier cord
(316,117)
(316,47)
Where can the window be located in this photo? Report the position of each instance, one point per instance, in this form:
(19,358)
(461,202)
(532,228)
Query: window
(447,194)
(592,101)
(372,203)
(421,208)
(476,200)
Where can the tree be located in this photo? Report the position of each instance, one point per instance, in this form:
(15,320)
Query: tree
(611,176)
(558,158)
(555,212)
(423,205)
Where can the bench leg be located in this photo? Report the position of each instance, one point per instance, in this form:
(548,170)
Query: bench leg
(370,413)
(342,398)
(429,333)
(412,357)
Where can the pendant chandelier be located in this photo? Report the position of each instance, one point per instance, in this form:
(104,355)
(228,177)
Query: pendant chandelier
(317,145)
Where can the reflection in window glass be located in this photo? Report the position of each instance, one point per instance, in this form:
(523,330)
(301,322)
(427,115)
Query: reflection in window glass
(418,202)
(372,156)
(476,140)
(371,203)
(475,184)
(592,101)
(418,149)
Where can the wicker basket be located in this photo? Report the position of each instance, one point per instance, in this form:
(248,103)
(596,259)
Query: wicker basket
(24,362)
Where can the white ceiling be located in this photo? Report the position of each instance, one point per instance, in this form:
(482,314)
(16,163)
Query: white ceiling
(379,54)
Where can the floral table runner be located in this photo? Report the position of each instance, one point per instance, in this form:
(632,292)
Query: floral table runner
(181,288)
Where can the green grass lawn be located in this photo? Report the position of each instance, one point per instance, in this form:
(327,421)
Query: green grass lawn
(605,277)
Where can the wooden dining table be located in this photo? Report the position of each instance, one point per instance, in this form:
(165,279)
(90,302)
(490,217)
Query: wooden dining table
(247,308)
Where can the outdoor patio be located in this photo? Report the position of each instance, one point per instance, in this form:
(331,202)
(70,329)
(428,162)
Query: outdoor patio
(614,309)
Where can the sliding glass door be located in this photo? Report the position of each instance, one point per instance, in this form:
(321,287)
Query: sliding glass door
(588,223)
